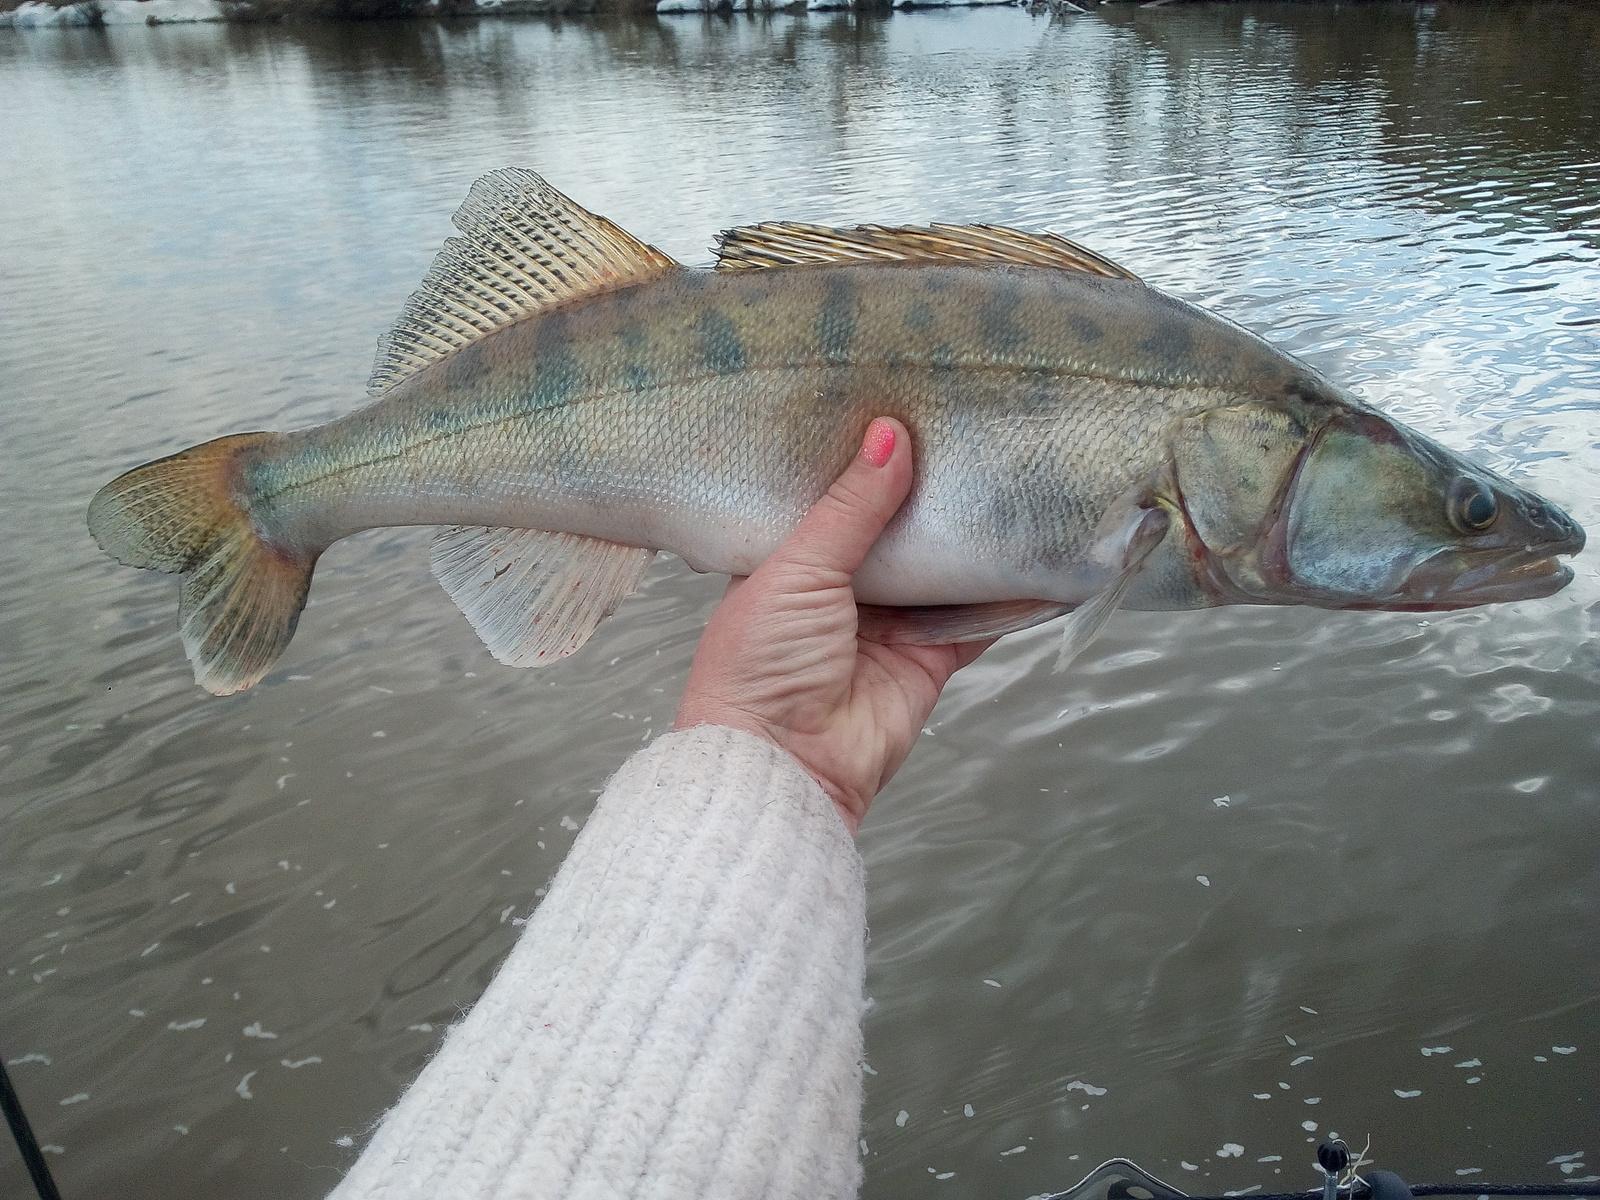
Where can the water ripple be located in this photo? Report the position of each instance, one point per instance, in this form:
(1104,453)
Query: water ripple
(241,925)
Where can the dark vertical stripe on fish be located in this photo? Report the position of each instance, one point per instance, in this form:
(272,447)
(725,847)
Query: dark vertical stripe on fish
(559,376)
(996,318)
(720,344)
(836,323)
(634,337)
(464,368)
(1084,329)
(1170,342)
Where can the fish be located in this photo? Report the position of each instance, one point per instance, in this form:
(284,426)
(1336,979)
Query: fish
(567,401)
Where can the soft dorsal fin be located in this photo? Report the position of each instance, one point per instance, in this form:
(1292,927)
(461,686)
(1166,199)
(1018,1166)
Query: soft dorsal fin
(526,247)
(791,243)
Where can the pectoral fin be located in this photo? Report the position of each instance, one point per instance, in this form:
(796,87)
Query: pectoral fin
(942,624)
(1086,621)
(534,597)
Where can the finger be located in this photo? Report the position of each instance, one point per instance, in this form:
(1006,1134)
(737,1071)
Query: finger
(836,534)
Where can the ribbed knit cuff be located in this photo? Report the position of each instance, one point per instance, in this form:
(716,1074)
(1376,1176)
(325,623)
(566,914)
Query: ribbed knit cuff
(681,1017)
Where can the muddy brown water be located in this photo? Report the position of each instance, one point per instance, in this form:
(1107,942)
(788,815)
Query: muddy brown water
(1239,879)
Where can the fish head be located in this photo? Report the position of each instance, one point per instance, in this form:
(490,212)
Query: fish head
(1337,506)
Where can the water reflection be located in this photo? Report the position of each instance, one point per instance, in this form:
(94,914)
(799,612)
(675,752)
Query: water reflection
(210,227)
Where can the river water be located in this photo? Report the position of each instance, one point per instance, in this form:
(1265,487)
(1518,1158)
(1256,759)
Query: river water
(1239,879)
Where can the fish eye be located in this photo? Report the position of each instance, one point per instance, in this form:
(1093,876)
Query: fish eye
(1473,507)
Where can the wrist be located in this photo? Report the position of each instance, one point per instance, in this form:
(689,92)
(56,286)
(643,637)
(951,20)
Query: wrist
(851,807)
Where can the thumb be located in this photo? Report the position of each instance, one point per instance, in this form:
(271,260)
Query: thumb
(836,534)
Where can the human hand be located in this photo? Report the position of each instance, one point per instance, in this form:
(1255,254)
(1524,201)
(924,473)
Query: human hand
(780,657)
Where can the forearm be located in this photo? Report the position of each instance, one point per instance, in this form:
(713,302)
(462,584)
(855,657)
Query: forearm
(681,1016)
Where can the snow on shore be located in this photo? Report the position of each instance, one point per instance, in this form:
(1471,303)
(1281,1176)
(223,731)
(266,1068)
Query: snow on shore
(35,15)
(695,6)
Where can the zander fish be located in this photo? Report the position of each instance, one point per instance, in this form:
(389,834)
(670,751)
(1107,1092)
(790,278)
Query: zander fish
(572,400)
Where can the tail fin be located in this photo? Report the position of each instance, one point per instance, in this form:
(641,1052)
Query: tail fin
(242,594)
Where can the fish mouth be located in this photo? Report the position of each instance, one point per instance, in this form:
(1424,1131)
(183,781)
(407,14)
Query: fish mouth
(1466,578)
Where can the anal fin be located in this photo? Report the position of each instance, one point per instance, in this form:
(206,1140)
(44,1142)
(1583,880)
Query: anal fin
(942,624)
(534,597)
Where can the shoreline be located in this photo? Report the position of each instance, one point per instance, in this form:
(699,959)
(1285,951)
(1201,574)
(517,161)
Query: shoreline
(88,14)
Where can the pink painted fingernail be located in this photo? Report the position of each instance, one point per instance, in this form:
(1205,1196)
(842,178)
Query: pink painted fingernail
(878,446)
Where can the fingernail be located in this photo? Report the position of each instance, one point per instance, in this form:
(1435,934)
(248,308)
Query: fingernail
(878,446)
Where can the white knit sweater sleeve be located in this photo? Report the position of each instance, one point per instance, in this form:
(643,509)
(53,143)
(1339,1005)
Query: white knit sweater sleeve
(681,1017)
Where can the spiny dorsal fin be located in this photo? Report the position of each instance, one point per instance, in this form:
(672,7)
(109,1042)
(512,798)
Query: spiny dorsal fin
(534,597)
(791,243)
(526,247)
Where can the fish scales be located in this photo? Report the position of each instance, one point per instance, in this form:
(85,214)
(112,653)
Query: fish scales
(702,413)
(571,401)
